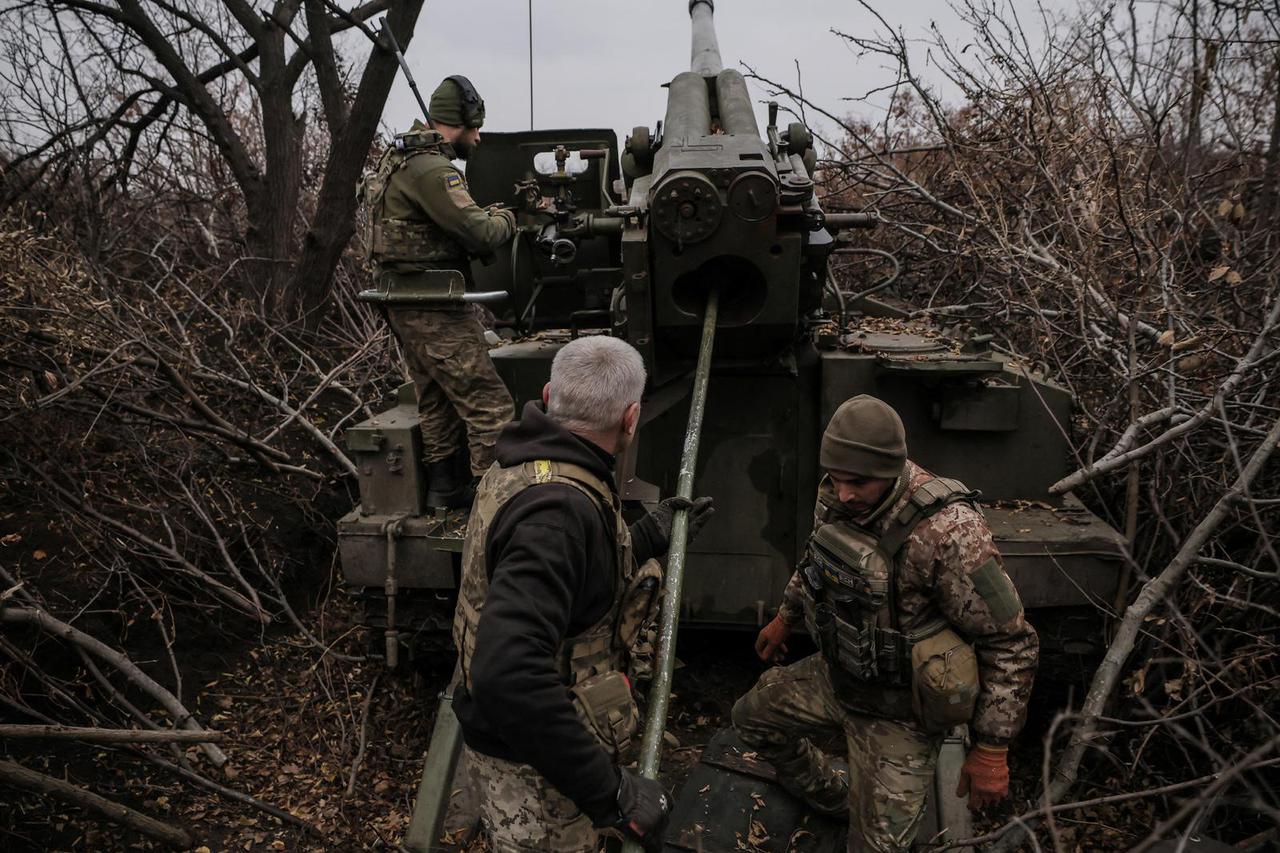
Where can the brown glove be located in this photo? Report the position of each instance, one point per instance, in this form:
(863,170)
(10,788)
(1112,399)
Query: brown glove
(984,776)
(771,644)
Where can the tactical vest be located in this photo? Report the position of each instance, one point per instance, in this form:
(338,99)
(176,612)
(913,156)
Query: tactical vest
(591,663)
(849,593)
(419,241)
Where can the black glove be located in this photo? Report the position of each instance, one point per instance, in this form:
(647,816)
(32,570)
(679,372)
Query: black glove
(643,808)
(656,526)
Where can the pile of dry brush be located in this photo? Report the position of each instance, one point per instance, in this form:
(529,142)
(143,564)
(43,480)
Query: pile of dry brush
(172,463)
(176,189)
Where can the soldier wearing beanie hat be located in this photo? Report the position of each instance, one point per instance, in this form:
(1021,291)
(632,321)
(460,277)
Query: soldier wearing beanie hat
(865,437)
(422,222)
(900,571)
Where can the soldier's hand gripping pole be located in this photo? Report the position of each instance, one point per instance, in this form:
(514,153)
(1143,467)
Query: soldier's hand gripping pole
(385,32)
(660,690)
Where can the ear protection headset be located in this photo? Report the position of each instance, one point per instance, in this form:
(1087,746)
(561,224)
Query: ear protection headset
(472,103)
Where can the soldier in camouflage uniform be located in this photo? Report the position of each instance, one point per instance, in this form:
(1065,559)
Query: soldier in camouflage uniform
(423,223)
(928,579)
(555,589)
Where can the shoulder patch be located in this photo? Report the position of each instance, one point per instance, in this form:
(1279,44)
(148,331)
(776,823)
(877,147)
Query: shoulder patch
(453,180)
(995,588)
(541,470)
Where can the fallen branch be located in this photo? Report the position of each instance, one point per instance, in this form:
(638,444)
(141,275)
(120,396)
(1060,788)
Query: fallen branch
(21,777)
(363,737)
(1112,460)
(294,414)
(1109,799)
(96,735)
(181,716)
(1225,778)
(228,594)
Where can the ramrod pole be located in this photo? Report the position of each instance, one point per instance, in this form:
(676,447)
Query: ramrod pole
(660,690)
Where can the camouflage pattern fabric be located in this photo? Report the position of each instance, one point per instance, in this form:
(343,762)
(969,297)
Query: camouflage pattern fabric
(521,811)
(950,568)
(457,383)
(595,650)
(891,762)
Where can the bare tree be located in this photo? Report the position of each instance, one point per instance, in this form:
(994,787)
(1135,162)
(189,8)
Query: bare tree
(99,94)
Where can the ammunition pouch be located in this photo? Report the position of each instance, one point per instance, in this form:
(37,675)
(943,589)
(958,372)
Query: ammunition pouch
(605,704)
(414,241)
(944,684)
(859,650)
(849,610)
(847,578)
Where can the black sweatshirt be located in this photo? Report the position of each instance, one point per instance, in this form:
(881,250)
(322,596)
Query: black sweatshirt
(551,555)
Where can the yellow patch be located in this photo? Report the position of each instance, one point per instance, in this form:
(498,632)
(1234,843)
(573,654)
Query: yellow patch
(456,189)
(542,471)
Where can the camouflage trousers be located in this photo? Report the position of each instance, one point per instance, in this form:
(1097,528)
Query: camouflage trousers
(521,811)
(891,762)
(457,384)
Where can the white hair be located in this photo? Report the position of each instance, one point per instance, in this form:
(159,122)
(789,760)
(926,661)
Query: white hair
(593,381)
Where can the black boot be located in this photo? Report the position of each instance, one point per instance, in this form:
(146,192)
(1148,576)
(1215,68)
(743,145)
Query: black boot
(449,483)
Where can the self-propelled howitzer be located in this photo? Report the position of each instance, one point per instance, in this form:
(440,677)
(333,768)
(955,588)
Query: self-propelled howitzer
(630,240)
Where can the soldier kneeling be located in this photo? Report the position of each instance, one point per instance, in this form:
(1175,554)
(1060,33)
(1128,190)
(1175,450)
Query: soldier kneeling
(920,630)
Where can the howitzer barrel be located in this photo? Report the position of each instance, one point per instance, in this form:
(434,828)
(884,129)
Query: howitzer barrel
(688,108)
(705,54)
(736,114)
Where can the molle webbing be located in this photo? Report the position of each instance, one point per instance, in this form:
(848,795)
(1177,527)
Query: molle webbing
(927,499)
(579,657)
(405,240)
(851,606)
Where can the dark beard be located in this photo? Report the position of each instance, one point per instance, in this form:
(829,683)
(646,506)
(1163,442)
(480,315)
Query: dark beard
(462,151)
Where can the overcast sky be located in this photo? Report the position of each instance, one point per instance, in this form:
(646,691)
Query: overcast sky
(602,63)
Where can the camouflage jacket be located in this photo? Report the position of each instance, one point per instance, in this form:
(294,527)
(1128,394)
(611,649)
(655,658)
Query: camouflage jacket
(942,570)
(421,212)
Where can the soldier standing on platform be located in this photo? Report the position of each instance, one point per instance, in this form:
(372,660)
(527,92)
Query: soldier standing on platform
(424,230)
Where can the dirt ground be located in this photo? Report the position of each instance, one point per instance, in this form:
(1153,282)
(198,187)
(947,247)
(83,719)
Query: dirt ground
(293,722)
(338,744)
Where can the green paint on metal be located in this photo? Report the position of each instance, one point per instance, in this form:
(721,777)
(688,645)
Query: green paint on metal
(660,691)
(437,779)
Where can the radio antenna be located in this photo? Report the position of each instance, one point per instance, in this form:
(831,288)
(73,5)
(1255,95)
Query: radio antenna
(531,64)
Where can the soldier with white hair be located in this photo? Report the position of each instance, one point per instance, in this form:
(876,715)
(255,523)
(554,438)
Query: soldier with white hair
(555,590)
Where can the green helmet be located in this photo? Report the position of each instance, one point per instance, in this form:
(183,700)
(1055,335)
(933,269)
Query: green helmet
(456,102)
